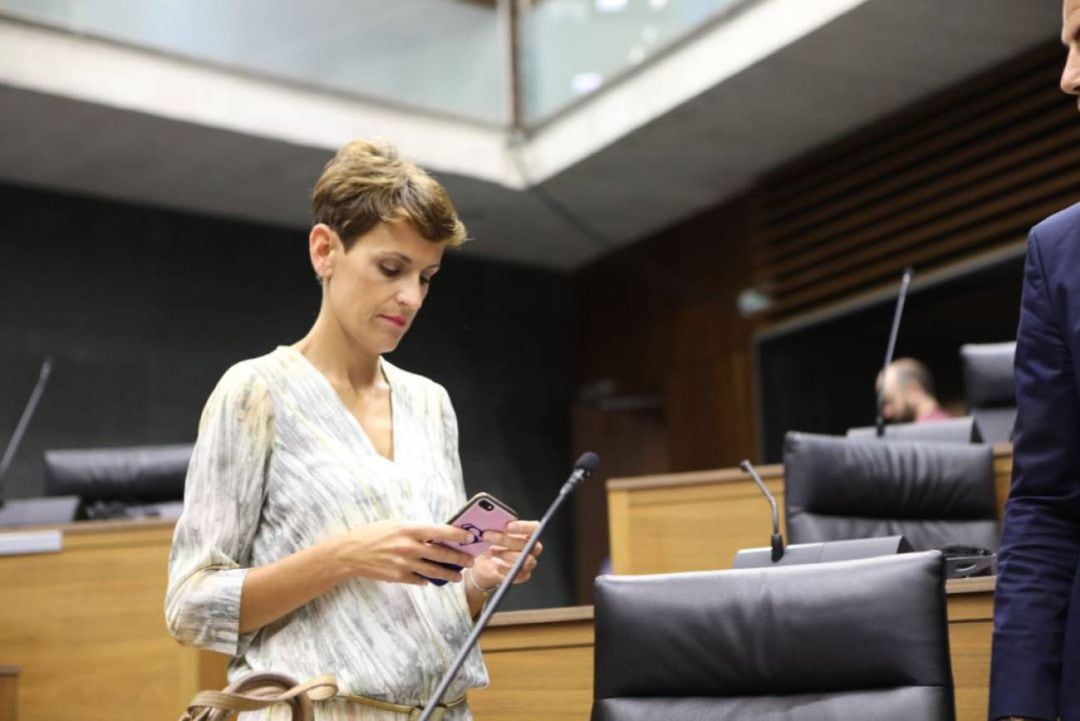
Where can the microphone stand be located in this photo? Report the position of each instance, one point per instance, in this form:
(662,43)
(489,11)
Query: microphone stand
(904,283)
(24,421)
(582,470)
(777,540)
(33,511)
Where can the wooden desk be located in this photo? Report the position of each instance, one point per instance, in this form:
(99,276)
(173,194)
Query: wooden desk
(541,662)
(9,693)
(87,627)
(697,521)
(971,628)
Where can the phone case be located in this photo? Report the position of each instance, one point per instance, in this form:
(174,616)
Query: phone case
(482,512)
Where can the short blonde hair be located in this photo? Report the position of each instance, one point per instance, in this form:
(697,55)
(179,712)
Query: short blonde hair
(367,183)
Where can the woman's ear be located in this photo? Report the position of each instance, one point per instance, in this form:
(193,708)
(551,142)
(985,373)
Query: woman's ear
(323,245)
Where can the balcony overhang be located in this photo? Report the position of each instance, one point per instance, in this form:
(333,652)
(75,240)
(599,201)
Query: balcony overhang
(685,131)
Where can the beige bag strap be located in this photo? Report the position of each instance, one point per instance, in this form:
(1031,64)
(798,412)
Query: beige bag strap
(412,712)
(259,690)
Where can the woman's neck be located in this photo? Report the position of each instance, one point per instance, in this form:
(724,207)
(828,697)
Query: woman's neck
(342,362)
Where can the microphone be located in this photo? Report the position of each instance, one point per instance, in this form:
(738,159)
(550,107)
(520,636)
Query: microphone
(904,283)
(33,511)
(583,468)
(777,539)
(820,552)
(24,421)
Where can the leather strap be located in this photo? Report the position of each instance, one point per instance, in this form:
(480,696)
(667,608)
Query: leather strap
(413,712)
(261,689)
(258,691)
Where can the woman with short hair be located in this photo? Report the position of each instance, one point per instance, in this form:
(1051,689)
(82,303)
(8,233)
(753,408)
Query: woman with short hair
(323,475)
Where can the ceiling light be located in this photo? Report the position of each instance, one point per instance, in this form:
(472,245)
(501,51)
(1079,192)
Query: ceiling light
(752,301)
(611,6)
(586,82)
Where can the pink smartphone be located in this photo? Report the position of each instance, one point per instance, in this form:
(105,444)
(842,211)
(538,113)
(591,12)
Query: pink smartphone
(482,512)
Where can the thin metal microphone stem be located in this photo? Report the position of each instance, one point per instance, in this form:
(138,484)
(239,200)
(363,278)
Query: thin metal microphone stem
(489,609)
(777,541)
(752,472)
(28,413)
(891,348)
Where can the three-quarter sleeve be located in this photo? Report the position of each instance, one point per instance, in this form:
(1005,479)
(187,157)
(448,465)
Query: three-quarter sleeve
(223,498)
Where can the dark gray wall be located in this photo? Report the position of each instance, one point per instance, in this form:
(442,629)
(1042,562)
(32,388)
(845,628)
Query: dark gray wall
(143,309)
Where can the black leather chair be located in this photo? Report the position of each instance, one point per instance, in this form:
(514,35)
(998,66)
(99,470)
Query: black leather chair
(990,389)
(120,482)
(860,639)
(934,494)
(950,430)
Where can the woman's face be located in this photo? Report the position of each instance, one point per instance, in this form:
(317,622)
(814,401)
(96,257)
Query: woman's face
(375,290)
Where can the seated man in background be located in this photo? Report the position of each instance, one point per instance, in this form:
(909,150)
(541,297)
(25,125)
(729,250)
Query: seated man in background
(909,393)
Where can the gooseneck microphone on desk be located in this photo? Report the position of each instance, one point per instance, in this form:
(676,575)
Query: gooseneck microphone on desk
(777,539)
(905,281)
(801,553)
(24,421)
(582,470)
(32,511)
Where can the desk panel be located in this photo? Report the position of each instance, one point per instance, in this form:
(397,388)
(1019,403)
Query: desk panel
(540,664)
(696,523)
(87,627)
(9,689)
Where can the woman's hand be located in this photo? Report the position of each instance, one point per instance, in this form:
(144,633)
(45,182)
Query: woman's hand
(400,552)
(385,551)
(496,561)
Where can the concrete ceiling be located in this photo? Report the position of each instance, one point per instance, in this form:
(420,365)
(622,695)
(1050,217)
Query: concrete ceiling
(874,59)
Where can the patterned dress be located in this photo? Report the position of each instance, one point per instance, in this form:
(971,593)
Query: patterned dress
(281,464)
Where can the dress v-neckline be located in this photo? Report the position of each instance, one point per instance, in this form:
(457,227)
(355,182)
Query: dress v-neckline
(343,408)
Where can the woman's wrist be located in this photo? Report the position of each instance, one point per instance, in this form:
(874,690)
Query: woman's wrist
(476,585)
(334,560)
(475,595)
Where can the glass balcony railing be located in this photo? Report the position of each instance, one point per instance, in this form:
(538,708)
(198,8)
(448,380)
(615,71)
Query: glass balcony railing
(446,56)
(571,48)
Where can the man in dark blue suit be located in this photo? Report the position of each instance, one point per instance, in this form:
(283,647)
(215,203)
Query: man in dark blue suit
(1035,672)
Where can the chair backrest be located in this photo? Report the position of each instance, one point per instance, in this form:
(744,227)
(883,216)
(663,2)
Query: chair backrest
(813,643)
(933,494)
(989,387)
(136,474)
(948,430)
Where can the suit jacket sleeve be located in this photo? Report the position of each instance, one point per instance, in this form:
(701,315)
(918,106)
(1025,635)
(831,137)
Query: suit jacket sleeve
(1041,537)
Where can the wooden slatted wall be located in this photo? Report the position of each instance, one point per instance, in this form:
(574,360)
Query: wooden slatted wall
(955,177)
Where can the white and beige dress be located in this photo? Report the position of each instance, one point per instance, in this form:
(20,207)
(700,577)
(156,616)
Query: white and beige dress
(281,464)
